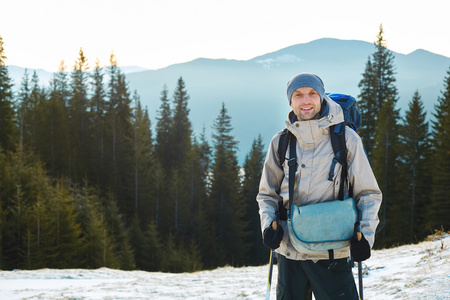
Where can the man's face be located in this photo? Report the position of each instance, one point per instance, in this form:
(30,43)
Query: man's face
(305,102)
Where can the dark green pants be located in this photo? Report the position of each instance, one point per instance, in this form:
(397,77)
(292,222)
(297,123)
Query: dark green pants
(298,279)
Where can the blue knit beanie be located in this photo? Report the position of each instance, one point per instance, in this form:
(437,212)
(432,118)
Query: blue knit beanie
(305,79)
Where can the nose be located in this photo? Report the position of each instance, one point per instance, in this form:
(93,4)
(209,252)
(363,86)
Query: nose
(305,99)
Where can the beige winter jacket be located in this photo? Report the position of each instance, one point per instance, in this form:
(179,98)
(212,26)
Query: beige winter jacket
(314,157)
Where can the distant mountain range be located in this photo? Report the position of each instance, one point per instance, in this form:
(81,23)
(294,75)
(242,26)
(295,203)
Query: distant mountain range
(254,91)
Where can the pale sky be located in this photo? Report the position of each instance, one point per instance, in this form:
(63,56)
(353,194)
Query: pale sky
(157,33)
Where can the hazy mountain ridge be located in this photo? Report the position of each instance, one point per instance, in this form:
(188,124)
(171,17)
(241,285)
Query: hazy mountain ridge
(254,90)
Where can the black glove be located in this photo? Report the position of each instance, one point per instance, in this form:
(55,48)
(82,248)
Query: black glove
(360,250)
(272,238)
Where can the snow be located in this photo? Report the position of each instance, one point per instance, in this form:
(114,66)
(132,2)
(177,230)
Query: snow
(420,271)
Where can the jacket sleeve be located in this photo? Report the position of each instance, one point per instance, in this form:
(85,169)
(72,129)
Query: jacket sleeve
(269,186)
(366,192)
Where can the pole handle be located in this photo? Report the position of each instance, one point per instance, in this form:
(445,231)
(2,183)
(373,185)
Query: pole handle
(358,231)
(359,236)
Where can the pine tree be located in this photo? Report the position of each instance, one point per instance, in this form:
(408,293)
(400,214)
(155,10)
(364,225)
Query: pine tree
(228,208)
(162,157)
(172,260)
(380,128)
(109,153)
(61,83)
(124,153)
(181,128)
(97,102)
(415,155)
(97,241)
(8,138)
(180,148)
(34,244)
(144,164)
(79,118)
(440,204)
(377,85)
(17,193)
(198,170)
(193,262)
(120,141)
(123,255)
(33,118)
(137,241)
(385,162)
(368,106)
(13,230)
(97,147)
(52,131)
(57,139)
(253,166)
(66,249)
(152,249)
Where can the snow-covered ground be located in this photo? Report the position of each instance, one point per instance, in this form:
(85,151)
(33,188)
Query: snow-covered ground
(419,271)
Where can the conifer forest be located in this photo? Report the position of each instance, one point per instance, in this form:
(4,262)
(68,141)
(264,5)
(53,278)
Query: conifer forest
(87,181)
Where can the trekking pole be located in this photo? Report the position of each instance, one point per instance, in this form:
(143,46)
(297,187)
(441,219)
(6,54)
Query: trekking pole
(269,277)
(360,278)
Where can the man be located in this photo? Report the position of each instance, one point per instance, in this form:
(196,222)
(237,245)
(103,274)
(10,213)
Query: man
(309,121)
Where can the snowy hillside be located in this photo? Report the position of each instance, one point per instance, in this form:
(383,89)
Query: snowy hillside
(419,271)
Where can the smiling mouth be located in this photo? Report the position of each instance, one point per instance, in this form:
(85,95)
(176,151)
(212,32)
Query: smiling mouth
(306,108)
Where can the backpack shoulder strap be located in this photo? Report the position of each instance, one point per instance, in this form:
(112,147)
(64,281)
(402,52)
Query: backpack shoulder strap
(286,138)
(283,144)
(352,119)
(337,135)
(292,163)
